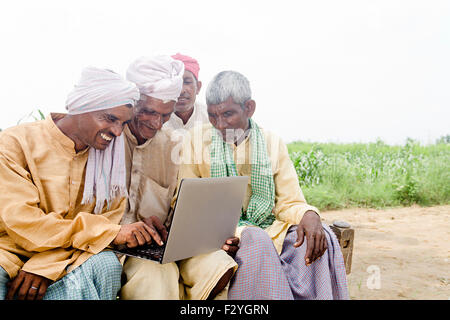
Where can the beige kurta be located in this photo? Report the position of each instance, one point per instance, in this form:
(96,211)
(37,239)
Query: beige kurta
(198,117)
(290,204)
(44,228)
(152,170)
(151,175)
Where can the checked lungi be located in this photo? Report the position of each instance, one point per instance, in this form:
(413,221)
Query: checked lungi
(263,274)
(96,279)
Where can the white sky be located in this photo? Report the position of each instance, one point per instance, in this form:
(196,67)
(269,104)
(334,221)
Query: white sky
(340,71)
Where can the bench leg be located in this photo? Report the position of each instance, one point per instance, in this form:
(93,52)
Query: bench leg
(345,237)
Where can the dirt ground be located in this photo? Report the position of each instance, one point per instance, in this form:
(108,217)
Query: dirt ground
(401,253)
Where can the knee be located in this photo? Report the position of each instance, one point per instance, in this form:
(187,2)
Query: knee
(4,279)
(255,236)
(107,264)
(137,270)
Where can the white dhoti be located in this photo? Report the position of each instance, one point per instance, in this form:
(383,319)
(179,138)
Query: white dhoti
(190,279)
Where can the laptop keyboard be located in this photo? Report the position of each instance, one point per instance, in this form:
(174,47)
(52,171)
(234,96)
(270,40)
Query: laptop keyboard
(151,251)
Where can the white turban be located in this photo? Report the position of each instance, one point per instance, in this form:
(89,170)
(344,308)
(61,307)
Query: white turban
(100,89)
(159,77)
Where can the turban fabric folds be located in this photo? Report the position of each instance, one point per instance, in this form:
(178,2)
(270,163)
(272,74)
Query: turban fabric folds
(190,64)
(160,77)
(100,89)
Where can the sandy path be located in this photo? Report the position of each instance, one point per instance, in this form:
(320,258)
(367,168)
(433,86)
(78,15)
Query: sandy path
(401,253)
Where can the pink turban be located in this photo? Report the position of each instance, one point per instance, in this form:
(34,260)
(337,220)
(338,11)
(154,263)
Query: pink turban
(190,64)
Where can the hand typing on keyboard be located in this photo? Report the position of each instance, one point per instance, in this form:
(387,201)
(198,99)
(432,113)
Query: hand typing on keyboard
(158,230)
(134,234)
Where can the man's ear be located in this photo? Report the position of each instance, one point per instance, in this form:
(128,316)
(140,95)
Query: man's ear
(199,86)
(250,106)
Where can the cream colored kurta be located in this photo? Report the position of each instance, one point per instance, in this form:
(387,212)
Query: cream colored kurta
(151,176)
(198,117)
(152,170)
(44,228)
(290,204)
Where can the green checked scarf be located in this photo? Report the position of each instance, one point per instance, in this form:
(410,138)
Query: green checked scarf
(262,201)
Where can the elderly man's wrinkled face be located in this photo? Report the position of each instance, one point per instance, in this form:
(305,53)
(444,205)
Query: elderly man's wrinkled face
(97,129)
(149,116)
(191,87)
(230,118)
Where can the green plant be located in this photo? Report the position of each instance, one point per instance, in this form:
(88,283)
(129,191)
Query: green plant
(39,116)
(407,191)
(444,139)
(308,165)
(374,175)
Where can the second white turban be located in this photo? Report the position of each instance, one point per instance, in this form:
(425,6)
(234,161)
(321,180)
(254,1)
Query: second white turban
(159,76)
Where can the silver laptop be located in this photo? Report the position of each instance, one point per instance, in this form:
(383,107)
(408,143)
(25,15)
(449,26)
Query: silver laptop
(205,215)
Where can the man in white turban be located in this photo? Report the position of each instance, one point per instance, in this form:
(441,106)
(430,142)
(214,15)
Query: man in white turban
(152,169)
(63,194)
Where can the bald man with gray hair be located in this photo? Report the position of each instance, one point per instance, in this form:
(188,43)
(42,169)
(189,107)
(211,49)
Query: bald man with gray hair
(285,251)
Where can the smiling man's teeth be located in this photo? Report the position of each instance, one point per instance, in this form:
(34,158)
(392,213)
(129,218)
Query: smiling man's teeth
(104,136)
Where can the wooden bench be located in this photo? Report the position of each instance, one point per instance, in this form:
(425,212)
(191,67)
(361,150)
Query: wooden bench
(345,235)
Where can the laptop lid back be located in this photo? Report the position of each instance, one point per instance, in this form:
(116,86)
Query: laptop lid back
(206,214)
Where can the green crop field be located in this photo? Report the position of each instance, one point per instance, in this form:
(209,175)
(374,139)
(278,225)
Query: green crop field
(376,175)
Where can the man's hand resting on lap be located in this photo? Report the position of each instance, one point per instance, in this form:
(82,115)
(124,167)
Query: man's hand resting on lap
(310,227)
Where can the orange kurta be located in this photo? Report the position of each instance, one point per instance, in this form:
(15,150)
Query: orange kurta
(44,228)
